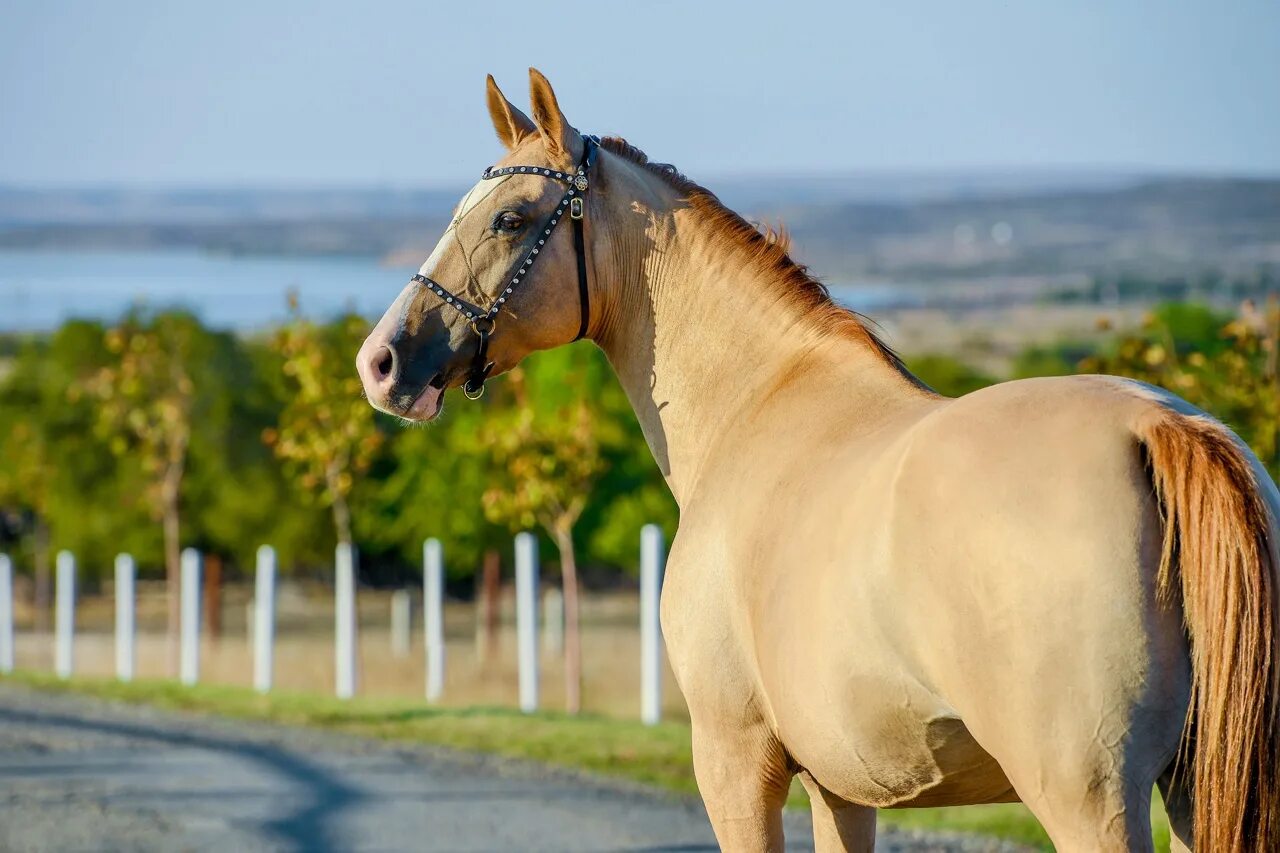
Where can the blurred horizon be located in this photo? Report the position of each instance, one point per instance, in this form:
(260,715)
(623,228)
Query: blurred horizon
(923,157)
(740,190)
(144,95)
(886,183)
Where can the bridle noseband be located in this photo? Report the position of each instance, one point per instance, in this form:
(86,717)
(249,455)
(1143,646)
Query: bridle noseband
(484,321)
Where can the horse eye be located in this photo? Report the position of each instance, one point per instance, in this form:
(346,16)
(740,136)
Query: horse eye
(509,221)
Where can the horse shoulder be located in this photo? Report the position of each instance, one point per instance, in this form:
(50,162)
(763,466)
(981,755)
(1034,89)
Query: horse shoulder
(707,653)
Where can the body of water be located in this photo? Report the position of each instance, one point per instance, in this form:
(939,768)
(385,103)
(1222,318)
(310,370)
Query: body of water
(39,290)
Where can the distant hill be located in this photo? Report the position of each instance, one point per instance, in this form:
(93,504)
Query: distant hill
(1155,227)
(71,206)
(906,227)
(24,207)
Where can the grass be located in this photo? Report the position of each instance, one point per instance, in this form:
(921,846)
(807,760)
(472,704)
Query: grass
(652,755)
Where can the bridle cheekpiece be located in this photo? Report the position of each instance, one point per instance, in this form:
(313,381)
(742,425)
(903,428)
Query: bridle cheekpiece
(483,321)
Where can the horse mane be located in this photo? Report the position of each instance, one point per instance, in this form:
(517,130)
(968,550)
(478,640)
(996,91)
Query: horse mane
(765,249)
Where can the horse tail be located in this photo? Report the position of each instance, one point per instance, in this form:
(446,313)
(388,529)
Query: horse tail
(1220,553)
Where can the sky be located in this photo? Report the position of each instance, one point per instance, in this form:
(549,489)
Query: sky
(325,93)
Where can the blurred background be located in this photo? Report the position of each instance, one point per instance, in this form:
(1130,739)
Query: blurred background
(203,206)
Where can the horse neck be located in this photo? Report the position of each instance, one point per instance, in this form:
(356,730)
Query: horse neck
(700,337)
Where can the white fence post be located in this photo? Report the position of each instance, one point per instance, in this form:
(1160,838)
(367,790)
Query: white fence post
(125,573)
(527,618)
(401,622)
(433,616)
(64,614)
(6,614)
(652,560)
(264,619)
(189,656)
(345,621)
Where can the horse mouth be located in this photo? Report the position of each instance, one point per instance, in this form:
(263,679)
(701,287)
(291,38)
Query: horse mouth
(427,405)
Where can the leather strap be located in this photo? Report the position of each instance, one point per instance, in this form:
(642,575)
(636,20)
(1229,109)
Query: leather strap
(584,291)
(480,364)
(483,321)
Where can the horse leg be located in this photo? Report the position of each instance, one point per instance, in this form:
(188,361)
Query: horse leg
(1176,790)
(1086,796)
(839,826)
(1105,821)
(743,776)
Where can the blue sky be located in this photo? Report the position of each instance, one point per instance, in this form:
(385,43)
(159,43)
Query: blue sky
(392,93)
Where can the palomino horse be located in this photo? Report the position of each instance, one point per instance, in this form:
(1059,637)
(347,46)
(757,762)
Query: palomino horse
(1037,592)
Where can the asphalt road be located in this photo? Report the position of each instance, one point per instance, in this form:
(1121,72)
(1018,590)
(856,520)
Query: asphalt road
(80,774)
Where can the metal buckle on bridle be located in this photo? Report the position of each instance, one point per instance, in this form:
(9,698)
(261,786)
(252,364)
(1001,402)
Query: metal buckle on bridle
(473,388)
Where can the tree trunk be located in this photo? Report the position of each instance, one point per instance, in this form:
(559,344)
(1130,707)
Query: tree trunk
(572,638)
(171,519)
(342,520)
(487,601)
(341,510)
(213,596)
(43,577)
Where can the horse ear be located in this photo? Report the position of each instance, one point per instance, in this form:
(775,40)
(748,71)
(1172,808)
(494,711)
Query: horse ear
(511,124)
(557,135)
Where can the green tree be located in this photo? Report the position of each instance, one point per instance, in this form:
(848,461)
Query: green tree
(1231,373)
(630,491)
(547,463)
(444,467)
(238,493)
(87,491)
(85,411)
(27,466)
(326,435)
(145,401)
(1059,359)
(947,375)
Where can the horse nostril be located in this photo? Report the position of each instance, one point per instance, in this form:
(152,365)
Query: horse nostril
(384,363)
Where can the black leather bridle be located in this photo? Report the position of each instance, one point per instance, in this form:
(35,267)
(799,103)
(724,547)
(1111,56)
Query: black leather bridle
(484,321)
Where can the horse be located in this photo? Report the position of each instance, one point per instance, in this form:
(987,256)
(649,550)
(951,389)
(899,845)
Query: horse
(1059,591)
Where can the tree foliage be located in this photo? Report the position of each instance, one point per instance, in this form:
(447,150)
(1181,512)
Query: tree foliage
(546,463)
(1222,364)
(89,417)
(26,461)
(948,376)
(326,434)
(144,402)
(28,467)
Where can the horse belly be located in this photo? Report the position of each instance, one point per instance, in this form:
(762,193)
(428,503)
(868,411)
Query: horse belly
(902,754)
(846,691)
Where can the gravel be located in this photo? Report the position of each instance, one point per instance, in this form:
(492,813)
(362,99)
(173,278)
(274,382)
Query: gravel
(82,774)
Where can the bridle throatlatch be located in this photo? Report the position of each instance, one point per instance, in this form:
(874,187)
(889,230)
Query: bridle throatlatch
(484,321)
